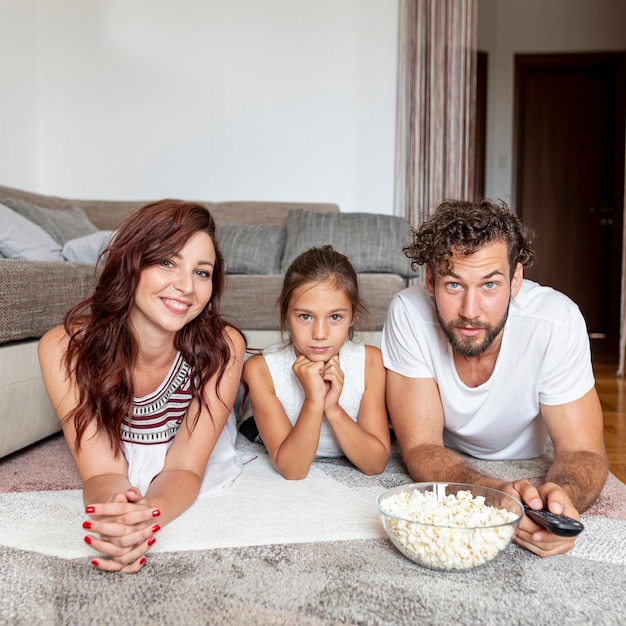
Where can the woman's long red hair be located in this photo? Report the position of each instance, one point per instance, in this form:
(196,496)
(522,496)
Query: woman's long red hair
(102,347)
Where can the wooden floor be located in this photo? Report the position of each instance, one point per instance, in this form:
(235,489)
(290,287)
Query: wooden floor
(612,392)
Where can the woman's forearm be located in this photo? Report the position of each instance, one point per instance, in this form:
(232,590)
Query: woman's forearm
(102,487)
(172,492)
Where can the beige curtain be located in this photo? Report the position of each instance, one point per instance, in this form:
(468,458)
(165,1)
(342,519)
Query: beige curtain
(435,122)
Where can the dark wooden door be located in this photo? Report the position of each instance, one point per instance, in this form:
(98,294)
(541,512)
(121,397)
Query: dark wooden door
(569,178)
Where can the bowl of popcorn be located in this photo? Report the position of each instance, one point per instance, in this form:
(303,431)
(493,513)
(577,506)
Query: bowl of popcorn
(449,526)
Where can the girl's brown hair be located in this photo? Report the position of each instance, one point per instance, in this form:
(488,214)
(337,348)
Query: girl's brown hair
(102,348)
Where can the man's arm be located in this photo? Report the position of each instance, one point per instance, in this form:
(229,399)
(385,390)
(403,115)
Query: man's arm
(576,477)
(580,464)
(417,417)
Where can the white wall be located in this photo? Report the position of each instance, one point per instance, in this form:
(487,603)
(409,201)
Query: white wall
(19,97)
(213,99)
(242,99)
(507,27)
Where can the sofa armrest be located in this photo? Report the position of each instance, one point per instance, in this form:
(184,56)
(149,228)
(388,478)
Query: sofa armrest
(35,295)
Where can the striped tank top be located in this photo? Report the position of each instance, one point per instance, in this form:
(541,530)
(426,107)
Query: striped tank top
(157,417)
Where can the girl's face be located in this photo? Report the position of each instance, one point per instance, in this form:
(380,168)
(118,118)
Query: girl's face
(319,317)
(175,291)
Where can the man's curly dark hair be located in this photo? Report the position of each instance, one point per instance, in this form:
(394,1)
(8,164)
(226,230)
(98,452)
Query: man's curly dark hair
(465,227)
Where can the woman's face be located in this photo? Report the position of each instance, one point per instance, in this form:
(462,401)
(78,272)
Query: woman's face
(174,291)
(319,318)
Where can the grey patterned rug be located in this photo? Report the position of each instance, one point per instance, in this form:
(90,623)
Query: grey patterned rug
(317,555)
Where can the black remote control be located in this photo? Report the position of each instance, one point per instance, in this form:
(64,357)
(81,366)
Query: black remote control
(560,525)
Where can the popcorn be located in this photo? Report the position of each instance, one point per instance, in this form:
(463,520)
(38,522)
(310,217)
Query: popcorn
(453,531)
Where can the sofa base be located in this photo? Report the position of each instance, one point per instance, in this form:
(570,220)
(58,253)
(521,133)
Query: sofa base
(26,415)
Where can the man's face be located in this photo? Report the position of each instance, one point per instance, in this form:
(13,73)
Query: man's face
(472,300)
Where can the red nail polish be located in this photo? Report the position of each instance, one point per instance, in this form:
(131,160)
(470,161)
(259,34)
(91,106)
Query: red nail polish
(151,541)
(142,560)
(87,525)
(156,513)
(90,509)
(94,562)
(156,528)
(88,539)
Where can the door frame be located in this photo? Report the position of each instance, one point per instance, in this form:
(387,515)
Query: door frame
(525,63)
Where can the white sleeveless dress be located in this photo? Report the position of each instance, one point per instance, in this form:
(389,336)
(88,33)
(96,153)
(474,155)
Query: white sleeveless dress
(280,359)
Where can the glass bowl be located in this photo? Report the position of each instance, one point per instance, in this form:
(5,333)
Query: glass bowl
(449,526)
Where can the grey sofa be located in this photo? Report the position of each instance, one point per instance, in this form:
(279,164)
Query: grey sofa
(259,239)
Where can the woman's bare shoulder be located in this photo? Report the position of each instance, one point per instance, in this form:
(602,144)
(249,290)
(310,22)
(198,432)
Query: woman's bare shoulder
(235,339)
(51,351)
(54,340)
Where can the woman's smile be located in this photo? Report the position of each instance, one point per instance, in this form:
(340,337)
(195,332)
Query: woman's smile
(176,306)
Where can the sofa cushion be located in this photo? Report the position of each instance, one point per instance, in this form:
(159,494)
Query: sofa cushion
(373,242)
(61,225)
(377,290)
(252,248)
(251,302)
(21,239)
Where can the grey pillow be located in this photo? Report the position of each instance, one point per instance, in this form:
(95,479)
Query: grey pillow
(62,225)
(21,239)
(373,242)
(252,248)
(87,249)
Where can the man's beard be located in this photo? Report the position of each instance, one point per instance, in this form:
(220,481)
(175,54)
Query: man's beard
(469,346)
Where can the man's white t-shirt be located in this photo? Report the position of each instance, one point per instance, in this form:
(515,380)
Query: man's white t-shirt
(544,358)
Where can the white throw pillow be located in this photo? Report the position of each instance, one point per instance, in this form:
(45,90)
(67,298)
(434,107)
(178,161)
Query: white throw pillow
(21,239)
(87,249)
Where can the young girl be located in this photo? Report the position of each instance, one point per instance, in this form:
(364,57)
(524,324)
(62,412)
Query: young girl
(143,375)
(320,394)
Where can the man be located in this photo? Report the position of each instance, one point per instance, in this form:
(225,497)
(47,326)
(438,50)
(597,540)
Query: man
(483,362)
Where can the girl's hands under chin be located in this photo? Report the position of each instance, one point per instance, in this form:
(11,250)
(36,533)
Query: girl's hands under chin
(126,531)
(310,376)
(333,378)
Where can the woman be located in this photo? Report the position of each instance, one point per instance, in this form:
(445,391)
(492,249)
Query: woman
(143,375)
